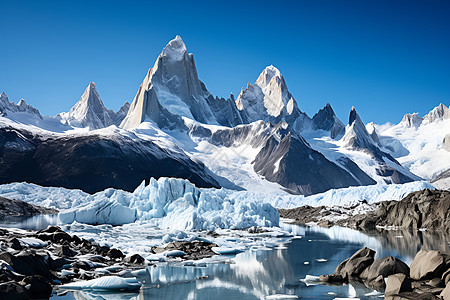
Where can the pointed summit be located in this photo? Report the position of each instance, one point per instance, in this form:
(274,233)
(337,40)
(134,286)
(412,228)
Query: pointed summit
(326,119)
(411,120)
(171,90)
(89,111)
(270,100)
(438,113)
(356,135)
(175,49)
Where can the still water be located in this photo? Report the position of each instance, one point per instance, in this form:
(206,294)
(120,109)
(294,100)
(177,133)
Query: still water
(271,273)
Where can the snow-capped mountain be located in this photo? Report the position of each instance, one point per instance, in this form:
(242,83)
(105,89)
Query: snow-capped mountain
(90,111)
(420,147)
(357,138)
(172,90)
(11,109)
(175,127)
(94,161)
(270,100)
(326,119)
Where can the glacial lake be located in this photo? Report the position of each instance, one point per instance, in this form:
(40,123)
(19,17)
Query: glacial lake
(270,272)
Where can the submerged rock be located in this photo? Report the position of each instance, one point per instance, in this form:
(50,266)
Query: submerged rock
(356,264)
(384,267)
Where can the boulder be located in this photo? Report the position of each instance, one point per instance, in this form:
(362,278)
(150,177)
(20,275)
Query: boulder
(427,264)
(331,278)
(39,286)
(115,253)
(396,284)
(28,263)
(356,264)
(15,244)
(134,259)
(384,267)
(65,251)
(13,290)
(445,294)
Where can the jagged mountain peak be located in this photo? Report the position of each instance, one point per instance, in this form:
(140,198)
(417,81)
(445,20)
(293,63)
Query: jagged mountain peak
(269,99)
(411,120)
(89,111)
(354,117)
(267,75)
(172,90)
(326,119)
(175,49)
(439,112)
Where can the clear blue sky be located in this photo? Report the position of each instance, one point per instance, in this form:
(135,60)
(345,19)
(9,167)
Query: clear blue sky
(384,57)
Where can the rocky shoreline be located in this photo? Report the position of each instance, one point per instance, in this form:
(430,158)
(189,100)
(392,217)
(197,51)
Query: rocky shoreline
(32,263)
(426,209)
(16,208)
(427,278)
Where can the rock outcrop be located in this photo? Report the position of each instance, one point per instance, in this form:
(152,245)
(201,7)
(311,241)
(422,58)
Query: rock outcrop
(425,279)
(16,208)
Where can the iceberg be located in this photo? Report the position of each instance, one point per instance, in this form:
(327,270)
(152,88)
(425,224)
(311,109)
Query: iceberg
(105,284)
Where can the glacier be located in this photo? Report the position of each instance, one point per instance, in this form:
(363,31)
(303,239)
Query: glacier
(168,203)
(177,204)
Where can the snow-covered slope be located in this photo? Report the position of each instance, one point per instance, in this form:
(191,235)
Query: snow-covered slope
(276,152)
(270,100)
(420,148)
(381,165)
(90,111)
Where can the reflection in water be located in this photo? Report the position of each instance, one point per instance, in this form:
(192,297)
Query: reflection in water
(256,274)
(33,223)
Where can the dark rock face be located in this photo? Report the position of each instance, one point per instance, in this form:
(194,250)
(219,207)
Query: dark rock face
(301,169)
(9,208)
(28,263)
(13,290)
(39,286)
(92,163)
(423,209)
(327,120)
(428,209)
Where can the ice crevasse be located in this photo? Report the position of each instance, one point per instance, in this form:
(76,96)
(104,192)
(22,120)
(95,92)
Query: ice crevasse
(172,203)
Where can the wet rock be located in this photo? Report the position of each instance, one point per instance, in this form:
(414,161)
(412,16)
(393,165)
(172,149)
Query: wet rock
(331,278)
(427,264)
(115,253)
(39,286)
(396,284)
(57,264)
(28,263)
(13,290)
(384,267)
(134,259)
(356,264)
(15,244)
(65,251)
